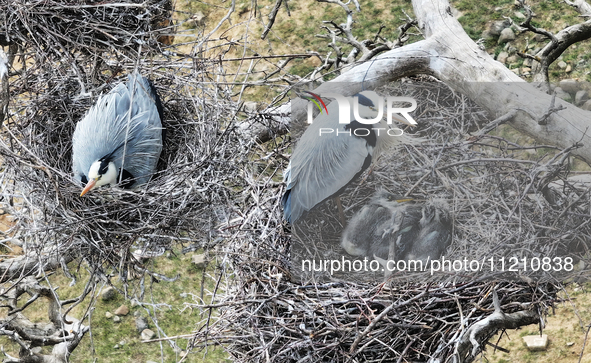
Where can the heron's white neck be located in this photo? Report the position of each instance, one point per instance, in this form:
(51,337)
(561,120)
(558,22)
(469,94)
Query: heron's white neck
(109,177)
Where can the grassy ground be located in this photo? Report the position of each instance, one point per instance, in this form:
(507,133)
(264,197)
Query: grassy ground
(565,329)
(112,341)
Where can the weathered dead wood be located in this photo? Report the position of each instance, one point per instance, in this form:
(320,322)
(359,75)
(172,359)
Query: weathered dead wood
(34,262)
(473,339)
(4,95)
(61,332)
(450,55)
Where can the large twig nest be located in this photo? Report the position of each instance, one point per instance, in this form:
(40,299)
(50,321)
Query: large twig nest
(501,201)
(86,26)
(56,81)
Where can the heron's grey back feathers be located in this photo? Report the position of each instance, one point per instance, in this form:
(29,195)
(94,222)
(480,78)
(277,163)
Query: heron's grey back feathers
(323,164)
(126,115)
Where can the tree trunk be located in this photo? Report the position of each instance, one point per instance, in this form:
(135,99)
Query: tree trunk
(450,55)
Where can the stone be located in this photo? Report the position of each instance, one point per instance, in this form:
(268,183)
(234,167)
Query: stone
(147,334)
(141,324)
(36,350)
(562,64)
(581,97)
(507,35)
(535,342)
(108,315)
(527,62)
(568,69)
(108,293)
(512,59)
(198,19)
(587,106)
(570,85)
(570,344)
(563,95)
(494,29)
(199,260)
(122,310)
(519,15)
(502,57)
(250,107)
(116,319)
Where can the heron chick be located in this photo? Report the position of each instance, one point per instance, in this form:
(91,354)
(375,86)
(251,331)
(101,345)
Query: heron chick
(119,140)
(324,163)
(390,223)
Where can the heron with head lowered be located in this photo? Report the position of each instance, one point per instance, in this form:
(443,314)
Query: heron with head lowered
(119,140)
(330,154)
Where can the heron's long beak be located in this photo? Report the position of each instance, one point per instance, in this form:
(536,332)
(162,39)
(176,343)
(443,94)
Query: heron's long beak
(88,186)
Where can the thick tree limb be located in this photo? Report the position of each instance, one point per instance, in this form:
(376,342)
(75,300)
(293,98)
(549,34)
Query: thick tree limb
(450,55)
(32,262)
(4,94)
(581,6)
(471,342)
(63,334)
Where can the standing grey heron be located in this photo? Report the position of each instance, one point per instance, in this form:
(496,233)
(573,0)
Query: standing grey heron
(119,140)
(324,163)
(390,226)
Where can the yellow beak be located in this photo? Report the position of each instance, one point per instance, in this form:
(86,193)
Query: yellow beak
(88,186)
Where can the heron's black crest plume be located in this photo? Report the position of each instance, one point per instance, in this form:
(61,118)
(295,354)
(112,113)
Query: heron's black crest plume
(370,136)
(365,101)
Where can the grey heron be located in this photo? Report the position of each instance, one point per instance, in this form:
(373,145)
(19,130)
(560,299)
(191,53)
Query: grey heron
(324,163)
(390,223)
(119,140)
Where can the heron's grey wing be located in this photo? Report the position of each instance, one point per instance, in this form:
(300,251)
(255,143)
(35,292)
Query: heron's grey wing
(145,129)
(322,164)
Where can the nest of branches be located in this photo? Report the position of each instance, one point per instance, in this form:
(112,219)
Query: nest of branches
(87,26)
(191,193)
(506,199)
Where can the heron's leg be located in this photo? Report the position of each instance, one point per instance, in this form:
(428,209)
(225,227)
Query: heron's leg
(369,171)
(337,199)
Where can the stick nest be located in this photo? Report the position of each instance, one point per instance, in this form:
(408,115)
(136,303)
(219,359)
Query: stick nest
(506,199)
(51,90)
(91,27)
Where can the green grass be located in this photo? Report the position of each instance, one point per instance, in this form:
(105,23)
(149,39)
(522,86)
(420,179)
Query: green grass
(174,319)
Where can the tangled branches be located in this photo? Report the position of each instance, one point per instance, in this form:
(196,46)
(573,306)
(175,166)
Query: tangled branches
(91,27)
(498,195)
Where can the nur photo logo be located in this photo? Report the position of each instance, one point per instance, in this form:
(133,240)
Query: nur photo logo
(369,99)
